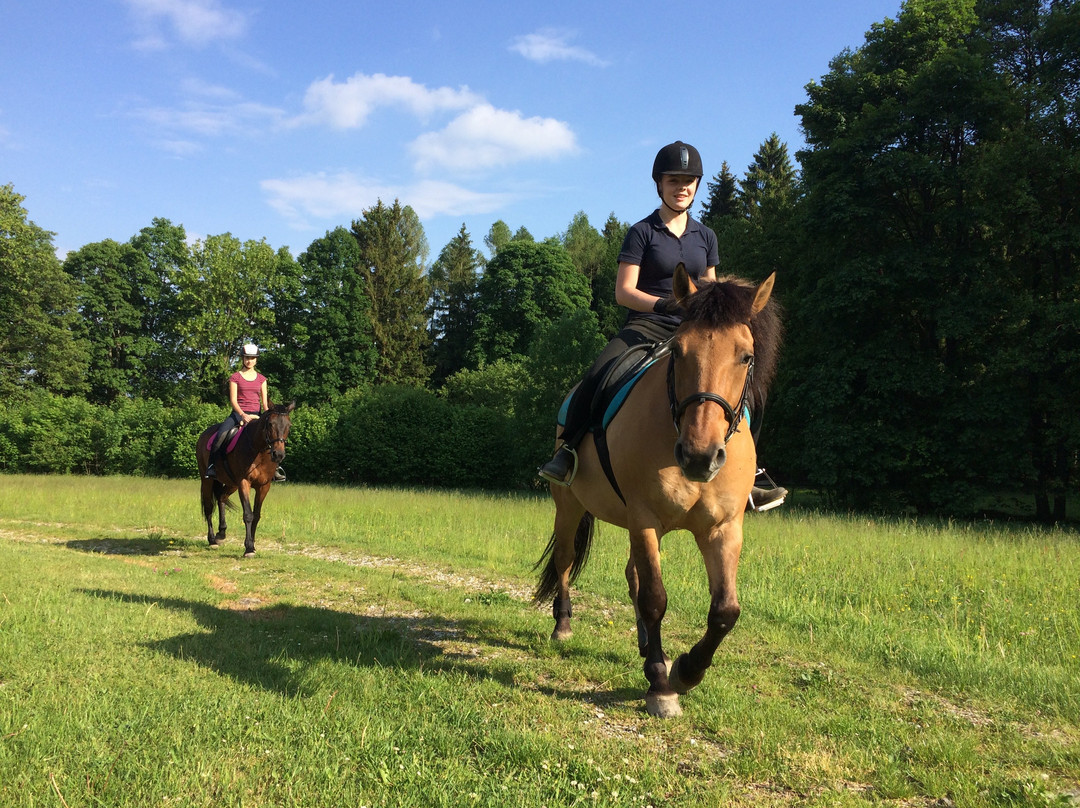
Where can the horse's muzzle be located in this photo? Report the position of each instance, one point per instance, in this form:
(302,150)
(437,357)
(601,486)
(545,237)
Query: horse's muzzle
(702,465)
(277,455)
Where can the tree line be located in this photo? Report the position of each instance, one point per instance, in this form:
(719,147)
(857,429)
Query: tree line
(925,241)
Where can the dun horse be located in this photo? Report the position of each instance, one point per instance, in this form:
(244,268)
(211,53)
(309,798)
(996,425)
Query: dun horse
(251,463)
(682,457)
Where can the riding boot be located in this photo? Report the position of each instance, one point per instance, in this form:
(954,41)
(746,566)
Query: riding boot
(560,469)
(279,475)
(768,494)
(211,472)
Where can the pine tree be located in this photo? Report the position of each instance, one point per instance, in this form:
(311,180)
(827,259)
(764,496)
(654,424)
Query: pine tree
(454,277)
(393,254)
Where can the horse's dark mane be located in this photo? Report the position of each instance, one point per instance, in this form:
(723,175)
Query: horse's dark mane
(280,409)
(727,302)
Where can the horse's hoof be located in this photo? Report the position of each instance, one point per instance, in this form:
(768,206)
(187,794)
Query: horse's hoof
(214,545)
(663,705)
(558,635)
(249,555)
(676,681)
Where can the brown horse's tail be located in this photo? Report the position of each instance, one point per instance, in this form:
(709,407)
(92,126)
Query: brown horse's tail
(548,585)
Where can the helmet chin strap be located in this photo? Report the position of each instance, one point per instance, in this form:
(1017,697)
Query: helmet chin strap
(676,211)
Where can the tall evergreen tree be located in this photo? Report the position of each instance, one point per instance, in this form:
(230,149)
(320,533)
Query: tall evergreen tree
(769,183)
(454,277)
(393,256)
(720,205)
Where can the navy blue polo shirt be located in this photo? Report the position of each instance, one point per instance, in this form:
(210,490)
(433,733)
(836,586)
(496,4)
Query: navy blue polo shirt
(657,250)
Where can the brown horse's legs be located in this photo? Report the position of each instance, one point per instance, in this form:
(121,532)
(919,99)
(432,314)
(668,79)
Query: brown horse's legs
(249,515)
(256,514)
(660,700)
(220,537)
(721,555)
(207,497)
(569,520)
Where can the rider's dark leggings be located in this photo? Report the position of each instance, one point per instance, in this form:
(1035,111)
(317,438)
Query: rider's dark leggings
(578,413)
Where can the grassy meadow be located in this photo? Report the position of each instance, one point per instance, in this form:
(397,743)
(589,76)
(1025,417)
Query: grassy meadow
(382,650)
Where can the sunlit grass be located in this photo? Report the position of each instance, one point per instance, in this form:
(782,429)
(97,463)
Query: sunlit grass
(381,650)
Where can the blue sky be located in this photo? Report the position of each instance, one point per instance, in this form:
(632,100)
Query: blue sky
(281,120)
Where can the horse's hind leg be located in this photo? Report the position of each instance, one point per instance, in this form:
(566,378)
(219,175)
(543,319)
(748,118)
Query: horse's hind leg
(207,498)
(222,527)
(566,554)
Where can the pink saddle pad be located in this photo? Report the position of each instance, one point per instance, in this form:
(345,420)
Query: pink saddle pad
(232,443)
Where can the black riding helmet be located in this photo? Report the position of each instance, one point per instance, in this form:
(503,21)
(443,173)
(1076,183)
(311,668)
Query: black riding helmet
(677,158)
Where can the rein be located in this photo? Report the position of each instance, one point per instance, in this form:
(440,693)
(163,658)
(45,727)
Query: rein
(734,416)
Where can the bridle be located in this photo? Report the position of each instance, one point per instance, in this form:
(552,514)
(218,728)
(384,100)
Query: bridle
(270,441)
(734,415)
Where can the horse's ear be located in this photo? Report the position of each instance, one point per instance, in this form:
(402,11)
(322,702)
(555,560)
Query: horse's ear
(291,407)
(681,283)
(763,293)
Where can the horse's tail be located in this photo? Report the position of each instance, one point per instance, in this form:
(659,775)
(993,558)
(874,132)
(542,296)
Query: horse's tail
(548,585)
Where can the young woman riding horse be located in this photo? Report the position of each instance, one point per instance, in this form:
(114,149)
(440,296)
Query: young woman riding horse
(252,464)
(683,457)
(651,250)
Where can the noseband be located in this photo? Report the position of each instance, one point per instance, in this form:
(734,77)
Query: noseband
(734,416)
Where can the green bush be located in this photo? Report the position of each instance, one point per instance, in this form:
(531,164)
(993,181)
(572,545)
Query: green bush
(376,436)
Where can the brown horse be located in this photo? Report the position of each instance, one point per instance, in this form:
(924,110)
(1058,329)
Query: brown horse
(683,458)
(260,447)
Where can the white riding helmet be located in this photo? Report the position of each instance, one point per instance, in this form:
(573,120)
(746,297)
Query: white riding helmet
(250,349)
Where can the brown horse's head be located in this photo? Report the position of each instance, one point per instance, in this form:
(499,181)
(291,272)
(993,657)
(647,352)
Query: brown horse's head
(723,357)
(275,424)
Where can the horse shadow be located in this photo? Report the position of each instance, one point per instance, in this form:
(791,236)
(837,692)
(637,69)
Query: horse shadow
(140,545)
(274,647)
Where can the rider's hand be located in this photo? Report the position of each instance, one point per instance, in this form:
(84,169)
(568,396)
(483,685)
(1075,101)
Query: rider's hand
(666,305)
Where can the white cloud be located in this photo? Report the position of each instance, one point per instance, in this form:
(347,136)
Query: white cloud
(485,137)
(347,105)
(193,22)
(210,111)
(345,196)
(551,45)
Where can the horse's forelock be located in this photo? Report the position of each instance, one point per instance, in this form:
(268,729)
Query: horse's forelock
(729,301)
(720,304)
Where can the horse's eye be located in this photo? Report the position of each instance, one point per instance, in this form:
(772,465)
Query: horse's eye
(748,359)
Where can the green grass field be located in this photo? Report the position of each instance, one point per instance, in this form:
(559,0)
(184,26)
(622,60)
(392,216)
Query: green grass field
(382,650)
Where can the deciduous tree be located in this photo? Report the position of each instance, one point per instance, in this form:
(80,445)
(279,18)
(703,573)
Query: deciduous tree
(37,308)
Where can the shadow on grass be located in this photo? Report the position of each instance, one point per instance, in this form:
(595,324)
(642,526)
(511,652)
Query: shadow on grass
(275,647)
(137,545)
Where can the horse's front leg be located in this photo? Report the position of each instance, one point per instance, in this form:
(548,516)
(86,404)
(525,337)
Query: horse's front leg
(256,514)
(720,549)
(660,700)
(249,518)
